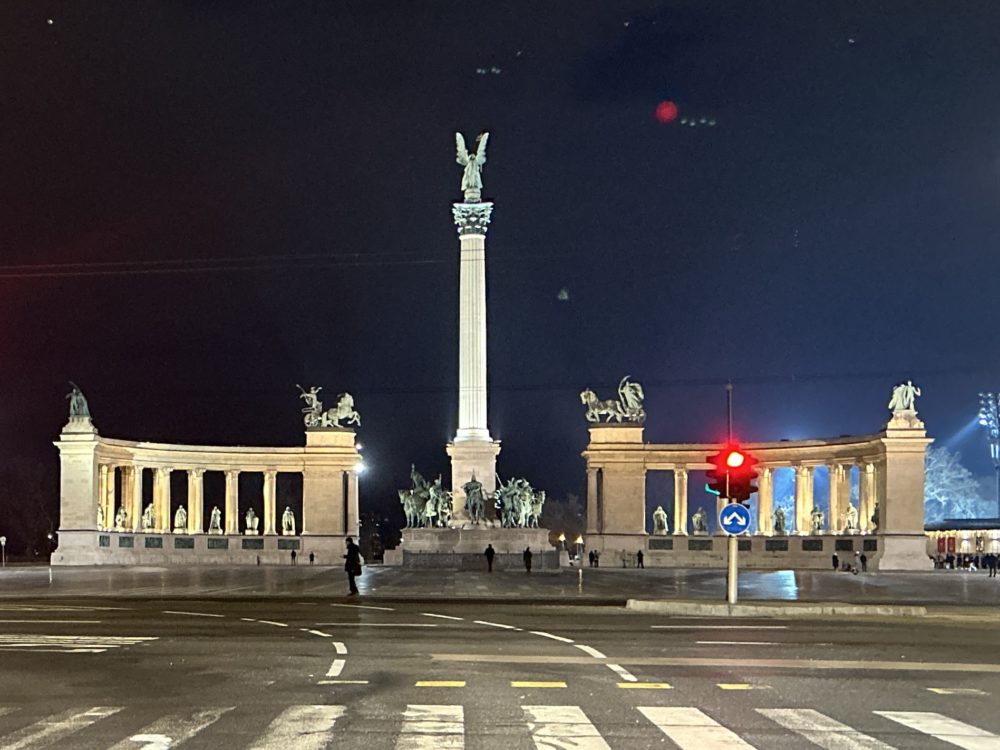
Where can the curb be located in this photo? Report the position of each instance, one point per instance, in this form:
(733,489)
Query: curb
(716,609)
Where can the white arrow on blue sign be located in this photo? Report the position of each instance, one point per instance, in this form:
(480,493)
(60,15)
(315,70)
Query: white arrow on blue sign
(734,518)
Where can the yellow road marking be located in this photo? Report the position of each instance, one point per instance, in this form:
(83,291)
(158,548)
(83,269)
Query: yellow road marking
(957,691)
(531,684)
(441,683)
(646,685)
(742,686)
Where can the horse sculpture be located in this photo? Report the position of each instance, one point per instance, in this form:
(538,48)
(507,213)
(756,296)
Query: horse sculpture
(597,408)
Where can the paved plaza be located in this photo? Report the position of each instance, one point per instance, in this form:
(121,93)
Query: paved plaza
(942,588)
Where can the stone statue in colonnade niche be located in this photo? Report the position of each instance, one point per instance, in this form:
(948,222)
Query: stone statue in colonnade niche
(851,520)
(147,518)
(288,522)
(100,516)
(699,522)
(215,521)
(659,521)
(121,518)
(778,521)
(180,520)
(874,518)
(252,522)
(817,518)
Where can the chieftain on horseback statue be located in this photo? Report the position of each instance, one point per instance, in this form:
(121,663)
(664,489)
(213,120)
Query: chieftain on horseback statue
(429,505)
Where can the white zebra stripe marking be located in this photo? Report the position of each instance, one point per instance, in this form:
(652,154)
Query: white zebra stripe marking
(821,730)
(300,727)
(50,730)
(336,668)
(562,728)
(947,730)
(691,729)
(171,730)
(432,727)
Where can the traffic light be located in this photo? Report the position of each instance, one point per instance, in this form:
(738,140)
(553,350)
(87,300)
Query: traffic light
(732,473)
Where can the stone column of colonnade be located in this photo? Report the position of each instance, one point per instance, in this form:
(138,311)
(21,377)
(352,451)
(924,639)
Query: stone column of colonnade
(161,499)
(593,520)
(866,496)
(353,528)
(196,501)
(765,500)
(840,496)
(232,522)
(135,499)
(270,501)
(103,482)
(681,501)
(803,498)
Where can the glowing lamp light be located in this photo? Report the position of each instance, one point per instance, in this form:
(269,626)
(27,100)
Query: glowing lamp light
(735,459)
(360,467)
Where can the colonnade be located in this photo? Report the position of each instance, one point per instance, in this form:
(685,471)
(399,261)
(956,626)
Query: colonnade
(126,505)
(835,519)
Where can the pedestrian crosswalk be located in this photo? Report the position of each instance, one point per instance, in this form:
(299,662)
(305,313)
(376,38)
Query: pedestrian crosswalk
(447,727)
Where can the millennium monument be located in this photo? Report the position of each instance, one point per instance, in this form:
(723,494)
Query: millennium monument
(452,528)
(874,507)
(118,507)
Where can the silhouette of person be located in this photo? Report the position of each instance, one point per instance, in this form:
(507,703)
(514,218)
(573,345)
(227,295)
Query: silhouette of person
(490,554)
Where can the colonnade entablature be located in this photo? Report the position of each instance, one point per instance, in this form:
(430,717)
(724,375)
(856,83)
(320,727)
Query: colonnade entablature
(890,479)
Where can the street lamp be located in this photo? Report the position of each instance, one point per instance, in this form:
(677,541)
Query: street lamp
(989,417)
(579,546)
(562,540)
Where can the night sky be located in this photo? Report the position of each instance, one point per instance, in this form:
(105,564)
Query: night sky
(204,203)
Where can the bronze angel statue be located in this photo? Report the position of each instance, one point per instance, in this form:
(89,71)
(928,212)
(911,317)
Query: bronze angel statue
(472,181)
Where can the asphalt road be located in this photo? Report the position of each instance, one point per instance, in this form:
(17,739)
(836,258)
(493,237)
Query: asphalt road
(309,673)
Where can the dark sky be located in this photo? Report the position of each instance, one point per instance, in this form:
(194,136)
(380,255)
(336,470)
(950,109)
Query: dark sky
(257,194)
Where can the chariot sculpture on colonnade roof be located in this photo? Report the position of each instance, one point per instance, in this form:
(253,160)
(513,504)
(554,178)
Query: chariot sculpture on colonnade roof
(628,407)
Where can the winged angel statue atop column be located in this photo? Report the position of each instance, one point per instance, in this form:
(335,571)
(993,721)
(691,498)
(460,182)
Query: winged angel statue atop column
(472,180)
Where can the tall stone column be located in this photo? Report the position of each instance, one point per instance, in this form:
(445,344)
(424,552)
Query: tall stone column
(161,499)
(765,500)
(593,522)
(232,520)
(135,499)
(270,509)
(472,451)
(801,488)
(865,476)
(681,501)
(866,499)
(352,505)
(900,479)
(196,500)
(102,496)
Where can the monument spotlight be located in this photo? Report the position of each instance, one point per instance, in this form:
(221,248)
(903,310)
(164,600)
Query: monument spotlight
(360,467)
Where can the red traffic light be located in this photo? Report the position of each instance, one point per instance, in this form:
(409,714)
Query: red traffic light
(734,459)
(733,472)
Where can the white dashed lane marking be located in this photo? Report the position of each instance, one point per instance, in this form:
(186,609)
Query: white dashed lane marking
(553,637)
(443,617)
(590,651)
(190,614)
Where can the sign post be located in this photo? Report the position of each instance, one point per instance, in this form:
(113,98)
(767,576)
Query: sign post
(734,520)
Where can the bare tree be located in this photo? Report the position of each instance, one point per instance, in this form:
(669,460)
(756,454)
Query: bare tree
(950,490)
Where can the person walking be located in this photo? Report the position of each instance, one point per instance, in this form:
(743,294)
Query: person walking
(527,559)
(993,565)
(597,559)
(864,562)
(312,557)
(638,559)
(293,557)
(836,562)
(592,556)
(352,564)
(490,554)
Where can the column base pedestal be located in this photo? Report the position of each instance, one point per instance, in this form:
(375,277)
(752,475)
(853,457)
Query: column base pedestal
(903,552)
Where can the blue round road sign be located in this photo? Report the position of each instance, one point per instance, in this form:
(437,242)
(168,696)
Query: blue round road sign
(734,518)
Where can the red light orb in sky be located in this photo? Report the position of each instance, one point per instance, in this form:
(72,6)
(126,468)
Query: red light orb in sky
(666,111)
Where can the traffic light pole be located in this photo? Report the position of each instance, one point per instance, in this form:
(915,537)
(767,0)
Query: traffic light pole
(732,574)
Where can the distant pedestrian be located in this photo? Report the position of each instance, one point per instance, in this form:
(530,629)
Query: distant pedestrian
(312,557)
(597,559)
(293,557)
(593,558)
(993,566)
(864,562)
(836,562)
(258,560)
(638,559)
(527,559)
(352,564)
(490,554)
